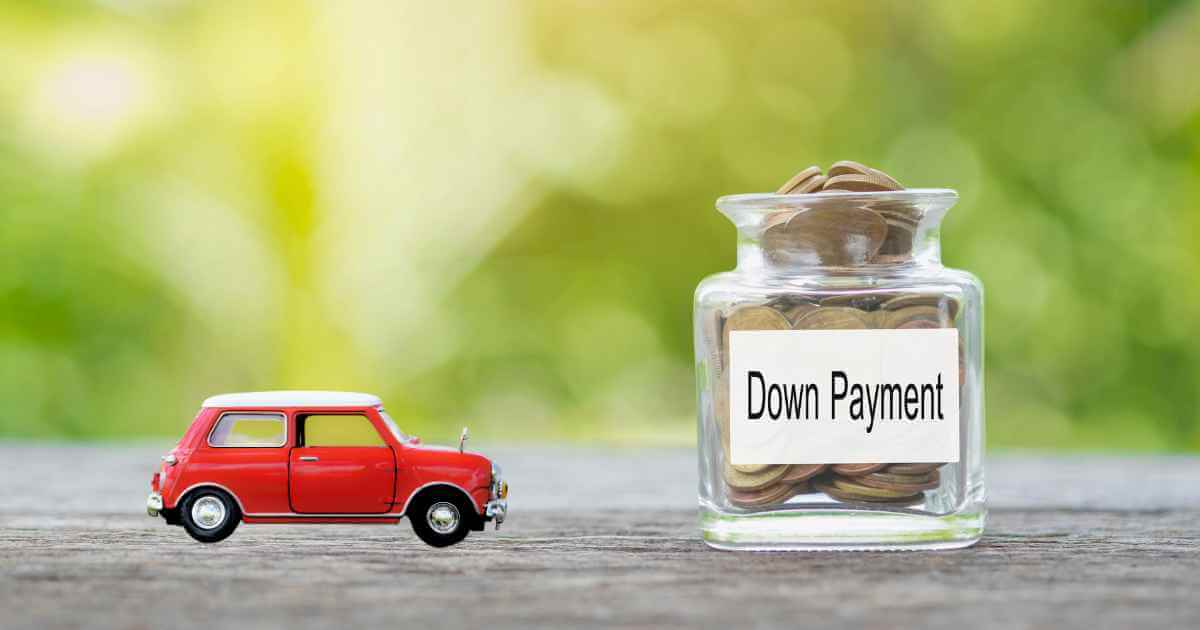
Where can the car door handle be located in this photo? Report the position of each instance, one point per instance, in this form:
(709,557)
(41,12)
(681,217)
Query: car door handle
(310,458)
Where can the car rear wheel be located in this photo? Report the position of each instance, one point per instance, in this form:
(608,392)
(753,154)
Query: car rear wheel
(210,515)
(441,517)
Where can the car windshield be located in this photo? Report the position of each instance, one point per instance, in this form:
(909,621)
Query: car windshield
(392,426)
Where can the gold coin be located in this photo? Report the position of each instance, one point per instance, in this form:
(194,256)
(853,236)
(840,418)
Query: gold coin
(898,483)
(848,167)
(753,481)
(850,497)
(853,487)
(796,311)
(915,317)
(859,183)
(855,469)
(897,245)
(776,219)
(798,179)
(750,469)
(828,235)
(765,496)
(802,472)
(877,320)
(752,318)
(811,185)
(937,300)
(912,469)
(833,318)
(904,215)
(932,476)
(887,179)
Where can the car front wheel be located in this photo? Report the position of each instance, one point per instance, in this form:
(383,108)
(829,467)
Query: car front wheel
(210,515)
(441,518)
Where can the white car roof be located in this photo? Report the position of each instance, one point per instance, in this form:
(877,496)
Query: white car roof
(294,399)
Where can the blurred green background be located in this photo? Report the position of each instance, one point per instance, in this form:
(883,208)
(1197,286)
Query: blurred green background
(495,214)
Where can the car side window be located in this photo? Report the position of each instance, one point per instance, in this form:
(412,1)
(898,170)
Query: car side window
(338,430)
(253,430)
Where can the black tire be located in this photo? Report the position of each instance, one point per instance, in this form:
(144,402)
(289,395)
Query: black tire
(434,505)
(210,532)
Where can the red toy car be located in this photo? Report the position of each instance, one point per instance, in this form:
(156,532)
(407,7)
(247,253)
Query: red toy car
(319,457)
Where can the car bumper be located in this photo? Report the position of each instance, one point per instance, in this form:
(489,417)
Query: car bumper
(154,504)
(496,510)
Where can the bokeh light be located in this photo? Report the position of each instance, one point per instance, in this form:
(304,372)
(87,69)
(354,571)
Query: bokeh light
(495,214)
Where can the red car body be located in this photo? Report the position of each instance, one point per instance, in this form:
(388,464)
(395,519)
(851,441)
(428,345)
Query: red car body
(294,482)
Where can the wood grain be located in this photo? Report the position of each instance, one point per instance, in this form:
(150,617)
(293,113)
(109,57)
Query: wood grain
(577,552)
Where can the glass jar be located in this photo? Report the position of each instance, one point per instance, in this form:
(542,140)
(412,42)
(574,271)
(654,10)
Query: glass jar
(840,378)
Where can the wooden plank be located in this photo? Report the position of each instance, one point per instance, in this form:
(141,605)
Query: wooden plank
(588,559)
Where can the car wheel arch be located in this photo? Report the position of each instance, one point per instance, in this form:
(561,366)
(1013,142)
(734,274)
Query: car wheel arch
(197,487)
(440,485)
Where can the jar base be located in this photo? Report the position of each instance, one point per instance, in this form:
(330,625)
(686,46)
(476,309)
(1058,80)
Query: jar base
(839,530)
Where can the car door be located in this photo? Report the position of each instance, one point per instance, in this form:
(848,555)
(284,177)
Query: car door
(246,454)
(340,465)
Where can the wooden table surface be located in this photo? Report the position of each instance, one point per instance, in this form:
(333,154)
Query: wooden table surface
(596,538)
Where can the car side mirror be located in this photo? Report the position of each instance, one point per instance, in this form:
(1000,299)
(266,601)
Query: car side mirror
(462,439)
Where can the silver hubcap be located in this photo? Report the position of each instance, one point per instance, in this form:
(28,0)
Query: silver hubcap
(443,517)
(208,512)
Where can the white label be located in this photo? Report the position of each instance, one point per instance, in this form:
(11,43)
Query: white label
(843,396)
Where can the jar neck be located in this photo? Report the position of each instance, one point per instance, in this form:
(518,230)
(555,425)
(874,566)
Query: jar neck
(869,231)
(925,249)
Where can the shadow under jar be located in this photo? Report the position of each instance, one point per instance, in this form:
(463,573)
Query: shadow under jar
(840,378)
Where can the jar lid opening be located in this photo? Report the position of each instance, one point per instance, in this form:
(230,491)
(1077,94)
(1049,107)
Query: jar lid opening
(840,228)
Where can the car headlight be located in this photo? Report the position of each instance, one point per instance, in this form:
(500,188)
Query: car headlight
(496,481)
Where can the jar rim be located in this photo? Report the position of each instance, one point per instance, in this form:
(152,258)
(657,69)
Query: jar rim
(773,201)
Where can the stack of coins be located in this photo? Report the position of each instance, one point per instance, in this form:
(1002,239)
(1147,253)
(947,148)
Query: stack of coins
(768,484)
(869,231)
(892,484)
(763,485)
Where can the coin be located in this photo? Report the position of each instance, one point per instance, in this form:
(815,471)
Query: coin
(852,497)
(765,496)
(911,469)
(848,167)
(897,483)
(886,179)
(932,476)
(803,487)
(750,469)
(796,311)
(876,320)
(937,300)
(832,318)
(854,487)
(859,183)
(755,317)
(855,469)
(827,235)
(802,472)
(753,481)
(905,317)
(798,179)
(811,185)
(897,245)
